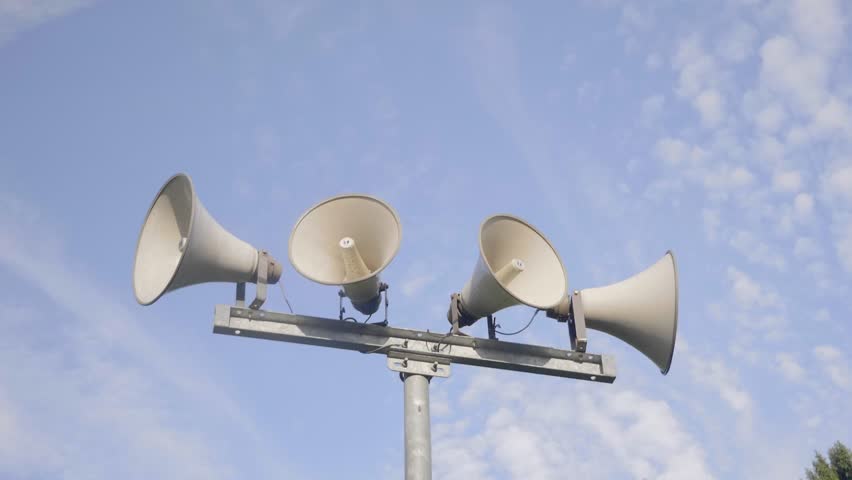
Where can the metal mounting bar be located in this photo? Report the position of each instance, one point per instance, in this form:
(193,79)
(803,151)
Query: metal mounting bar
(401,342)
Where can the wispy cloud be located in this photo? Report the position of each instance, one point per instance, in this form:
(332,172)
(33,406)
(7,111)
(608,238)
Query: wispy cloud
(523,434)
(17,16)
(834,363)
(86,389)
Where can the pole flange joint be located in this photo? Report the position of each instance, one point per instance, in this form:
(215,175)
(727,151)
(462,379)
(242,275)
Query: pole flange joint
(408,363)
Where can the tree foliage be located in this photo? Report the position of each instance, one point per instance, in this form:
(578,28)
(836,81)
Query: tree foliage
(838,466)
(841,461)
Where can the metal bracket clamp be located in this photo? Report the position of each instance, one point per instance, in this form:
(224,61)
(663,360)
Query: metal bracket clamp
(412,363)
(570,311)
(492,327)
(383,293)
(457,316)
(577,323)
(263,262)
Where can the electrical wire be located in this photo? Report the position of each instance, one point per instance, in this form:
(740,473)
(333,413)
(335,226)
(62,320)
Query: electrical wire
(521,330)
(383,347)
(437,346)
(284,294)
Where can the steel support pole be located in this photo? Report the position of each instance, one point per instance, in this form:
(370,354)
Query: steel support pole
(418,438)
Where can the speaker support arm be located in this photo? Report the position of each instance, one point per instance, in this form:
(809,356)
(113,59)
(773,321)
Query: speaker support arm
(571,311)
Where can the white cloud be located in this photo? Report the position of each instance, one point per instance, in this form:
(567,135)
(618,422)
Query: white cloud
(652,107)
(803,205)
(837,184)
(787,70)
(725,177)
(674,151)
(834,363)
(770,118)
(769,149)
(724,381)
(750,294)
(787,181)
(698,70)
(523,435)
(653,61)
(813,421)
(757,251)
(17,16)
(832,117)
(414,283)
(712,221)
(806,247)
(789,367)
(819,24)
(843,242)
(634,18)
(710,106)
(738,43)
(268,146)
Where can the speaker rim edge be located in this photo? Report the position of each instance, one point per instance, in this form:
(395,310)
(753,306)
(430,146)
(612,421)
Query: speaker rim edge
(677,301)
(546,240)
(188,236)
(337,197)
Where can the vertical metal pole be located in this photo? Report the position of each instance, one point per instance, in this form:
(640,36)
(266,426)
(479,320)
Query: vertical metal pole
(418,438)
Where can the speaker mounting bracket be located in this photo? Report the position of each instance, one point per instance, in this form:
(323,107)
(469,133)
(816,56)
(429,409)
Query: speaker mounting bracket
(263,264)
(492,327)
(383,291)
(577,323)
(457,316)
(571,311)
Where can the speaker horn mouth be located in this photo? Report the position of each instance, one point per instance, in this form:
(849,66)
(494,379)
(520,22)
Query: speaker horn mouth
(549,291)
(332,227)
(177,188)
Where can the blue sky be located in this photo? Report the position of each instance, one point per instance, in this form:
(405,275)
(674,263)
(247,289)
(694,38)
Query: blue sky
(721,130)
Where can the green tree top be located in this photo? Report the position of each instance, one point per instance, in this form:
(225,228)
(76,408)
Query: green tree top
(837,467)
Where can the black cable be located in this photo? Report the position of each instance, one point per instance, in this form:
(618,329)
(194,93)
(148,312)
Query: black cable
(368,318)
(525,327)
(284,294)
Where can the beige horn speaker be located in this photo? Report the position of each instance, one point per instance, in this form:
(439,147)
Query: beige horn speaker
(347,240)
(641,310)
(517,265)
(180,244)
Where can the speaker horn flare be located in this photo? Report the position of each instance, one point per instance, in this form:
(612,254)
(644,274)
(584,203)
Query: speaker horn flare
(516,265)
(641,310)
(347,240)
(181,244)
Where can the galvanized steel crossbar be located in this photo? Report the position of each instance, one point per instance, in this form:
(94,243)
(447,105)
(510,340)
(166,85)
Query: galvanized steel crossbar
(431,352)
